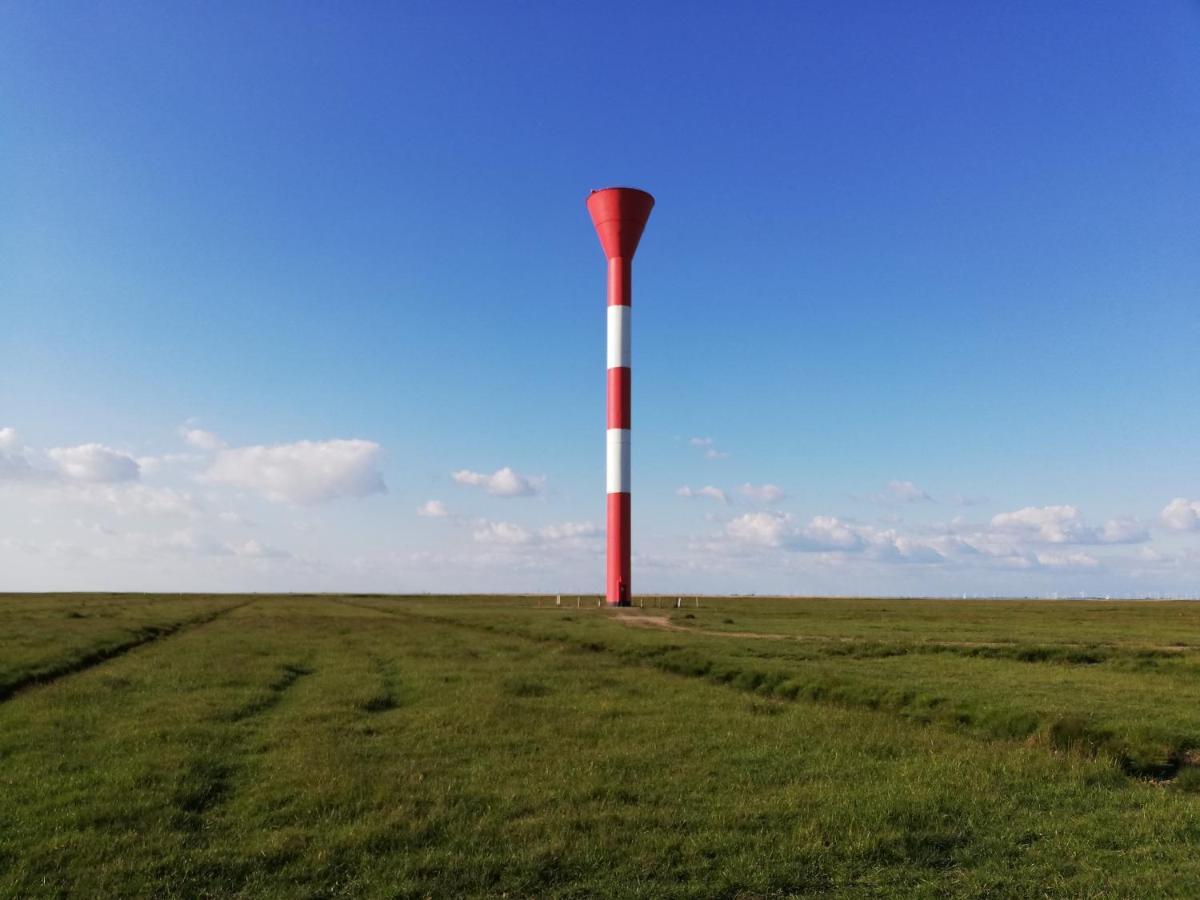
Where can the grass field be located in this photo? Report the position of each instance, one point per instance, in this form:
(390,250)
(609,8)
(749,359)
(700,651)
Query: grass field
(365,746)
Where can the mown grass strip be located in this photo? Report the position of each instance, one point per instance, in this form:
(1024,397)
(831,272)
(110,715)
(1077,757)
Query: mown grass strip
(91,657)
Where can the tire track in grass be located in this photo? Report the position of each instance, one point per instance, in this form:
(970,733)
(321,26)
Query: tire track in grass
(210,777)
(1068,734)
(90,658)
(1071,653)
(387,696)
(289,674)
(216,774)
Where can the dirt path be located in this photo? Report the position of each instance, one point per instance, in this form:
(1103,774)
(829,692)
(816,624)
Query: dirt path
(663,623)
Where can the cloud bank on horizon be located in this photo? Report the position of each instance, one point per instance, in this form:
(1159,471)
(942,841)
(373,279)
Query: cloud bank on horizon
(209,515)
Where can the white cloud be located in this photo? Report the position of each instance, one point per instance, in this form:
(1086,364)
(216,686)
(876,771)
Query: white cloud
(155,465)
(835,539)
(766,494)
(486,532)
(90,475)
(828,533)
(1051,524)
(775,529)
(14,466)
(914,550)
(183,542)
(1182,515)
(433,509)
(122,498)
(95,527)
(569,532)
(1067,560)
(903,492)
(201,439)
(1122,531)
(562,534)
(180,545)
(253,549)
(95,464)
(713,493)
(1064,525)
(766,529)
(501,483)
(304,472)
(708,446)
(91,463)
(138,498)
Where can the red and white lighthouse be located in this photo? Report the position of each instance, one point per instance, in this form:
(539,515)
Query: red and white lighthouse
(619,215)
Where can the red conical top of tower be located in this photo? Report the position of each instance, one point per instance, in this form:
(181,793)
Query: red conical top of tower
(619,215)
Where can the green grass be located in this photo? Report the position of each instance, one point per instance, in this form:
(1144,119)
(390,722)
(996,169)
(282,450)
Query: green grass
(45,637)
(409,747)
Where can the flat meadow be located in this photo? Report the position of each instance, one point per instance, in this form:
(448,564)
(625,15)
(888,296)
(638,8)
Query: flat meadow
(396,746)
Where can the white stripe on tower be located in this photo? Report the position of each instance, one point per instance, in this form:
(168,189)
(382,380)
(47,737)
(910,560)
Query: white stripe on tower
(618,336)
(617,461)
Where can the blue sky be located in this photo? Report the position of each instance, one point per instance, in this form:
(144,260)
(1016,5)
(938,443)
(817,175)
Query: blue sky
(270,276)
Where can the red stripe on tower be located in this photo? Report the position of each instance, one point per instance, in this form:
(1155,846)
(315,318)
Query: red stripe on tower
(618,397)
(619,215)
